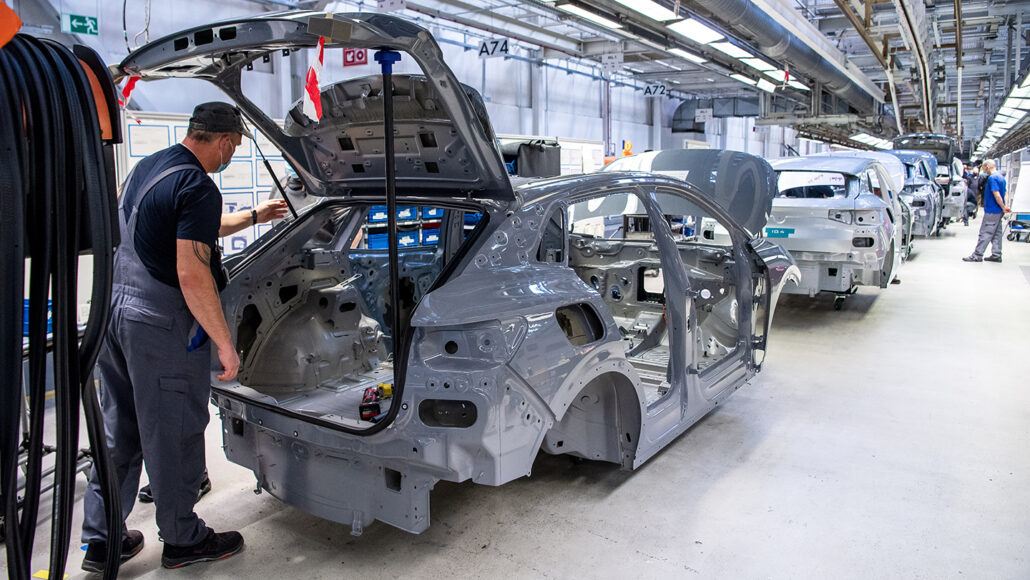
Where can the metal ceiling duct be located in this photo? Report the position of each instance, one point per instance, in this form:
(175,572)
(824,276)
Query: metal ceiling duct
(782,45)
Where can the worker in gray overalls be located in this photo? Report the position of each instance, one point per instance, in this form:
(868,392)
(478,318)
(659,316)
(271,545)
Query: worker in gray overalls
(155,364)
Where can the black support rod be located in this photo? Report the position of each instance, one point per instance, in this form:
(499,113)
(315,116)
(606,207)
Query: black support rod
(386,58)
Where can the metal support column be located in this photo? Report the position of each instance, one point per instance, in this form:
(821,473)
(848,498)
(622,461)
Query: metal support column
(606,115)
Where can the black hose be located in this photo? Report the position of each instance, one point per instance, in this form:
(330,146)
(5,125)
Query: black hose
(37,208)
(12,188)
(56,200)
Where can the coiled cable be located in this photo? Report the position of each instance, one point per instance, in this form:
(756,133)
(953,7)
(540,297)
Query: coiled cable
(57,200)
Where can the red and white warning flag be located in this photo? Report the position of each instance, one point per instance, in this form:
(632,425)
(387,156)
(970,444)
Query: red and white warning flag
(130,85)
(312,106)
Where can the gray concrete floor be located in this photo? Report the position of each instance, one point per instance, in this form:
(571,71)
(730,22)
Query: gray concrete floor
(888,440)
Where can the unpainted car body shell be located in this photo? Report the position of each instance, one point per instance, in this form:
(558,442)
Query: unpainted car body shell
(824,249)
(923,194)
(485,348)
(512,362)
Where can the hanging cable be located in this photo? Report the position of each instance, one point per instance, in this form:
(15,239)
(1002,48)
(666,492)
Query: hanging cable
(57,131)
(145,33)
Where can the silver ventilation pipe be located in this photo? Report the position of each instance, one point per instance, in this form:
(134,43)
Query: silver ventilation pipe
(781,45)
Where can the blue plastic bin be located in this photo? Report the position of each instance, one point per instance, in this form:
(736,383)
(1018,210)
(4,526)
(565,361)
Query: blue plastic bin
(407,212)
(429,213)
(377,214)
(49,318)
(430,236)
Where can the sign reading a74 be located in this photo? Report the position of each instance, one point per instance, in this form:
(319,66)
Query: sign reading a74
(493,47)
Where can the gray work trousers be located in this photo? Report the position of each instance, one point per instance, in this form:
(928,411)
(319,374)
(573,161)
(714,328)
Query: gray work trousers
(992,230)
(154,395)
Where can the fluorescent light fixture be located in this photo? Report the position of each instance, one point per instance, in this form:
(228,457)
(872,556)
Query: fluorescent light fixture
(588,15)
(1010,112)
(695,30)
(759,65)
(798,85)
(1021,92)
(1015,103)
(650,9)
(776,75)
(766,85)
(687,55)
(731,49)
(743,79)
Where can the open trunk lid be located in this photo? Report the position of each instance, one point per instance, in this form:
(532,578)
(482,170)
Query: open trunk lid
(941,146)
(445,145)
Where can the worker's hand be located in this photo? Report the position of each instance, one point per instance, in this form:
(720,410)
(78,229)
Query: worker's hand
(230,363)
(272,209)
(1007,210)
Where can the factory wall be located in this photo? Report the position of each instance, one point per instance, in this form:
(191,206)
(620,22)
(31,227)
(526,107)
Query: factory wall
(560,98)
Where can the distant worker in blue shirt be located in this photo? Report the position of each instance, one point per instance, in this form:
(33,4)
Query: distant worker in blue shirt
(994,207)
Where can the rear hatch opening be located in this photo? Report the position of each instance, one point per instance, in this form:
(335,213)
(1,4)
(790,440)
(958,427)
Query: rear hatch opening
(311,310)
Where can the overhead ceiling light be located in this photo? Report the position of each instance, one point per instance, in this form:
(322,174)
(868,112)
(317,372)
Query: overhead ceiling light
(776,75)
(650,9)
(1015,103)
(798,85)
(1021,92)
(758,64)
(588,15)
(687,55)
(1010,112)
(744,79)
(766,85)
(695,30)
(731,49)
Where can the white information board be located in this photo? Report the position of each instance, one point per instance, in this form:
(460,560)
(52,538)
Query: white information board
(244,184)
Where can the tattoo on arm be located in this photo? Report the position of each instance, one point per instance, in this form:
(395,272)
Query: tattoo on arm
(202,251)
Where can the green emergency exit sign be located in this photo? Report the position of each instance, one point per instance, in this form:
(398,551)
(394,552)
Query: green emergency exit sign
(79,24)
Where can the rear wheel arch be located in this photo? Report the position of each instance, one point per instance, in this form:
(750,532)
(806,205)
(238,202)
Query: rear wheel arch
(601,422)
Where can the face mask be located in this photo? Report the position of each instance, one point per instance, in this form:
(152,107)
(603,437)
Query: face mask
(224,164)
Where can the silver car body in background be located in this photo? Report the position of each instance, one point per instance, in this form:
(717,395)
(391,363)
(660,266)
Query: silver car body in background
(841,220)
(897,172)
(922,193)
(948,171)
(955,202)
(578,315)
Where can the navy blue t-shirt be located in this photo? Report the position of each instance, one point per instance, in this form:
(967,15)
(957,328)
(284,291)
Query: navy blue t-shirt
(185,205)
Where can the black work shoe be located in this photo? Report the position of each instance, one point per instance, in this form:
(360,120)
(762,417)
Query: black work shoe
(96,553)
(993,259)
(972,259)
(213,547)
(147,496)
